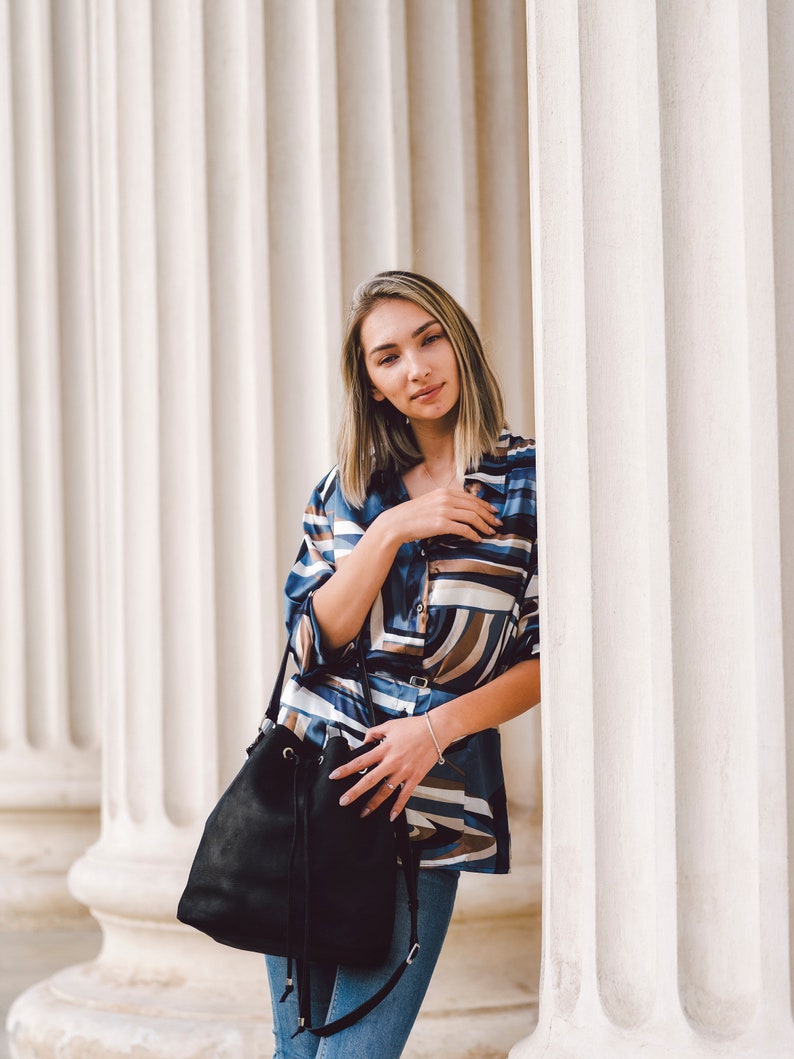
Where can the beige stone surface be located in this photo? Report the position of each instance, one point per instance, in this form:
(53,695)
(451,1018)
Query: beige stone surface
(27,956)
(482,1000)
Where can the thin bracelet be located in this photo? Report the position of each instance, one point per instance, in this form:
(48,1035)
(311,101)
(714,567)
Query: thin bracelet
(435,741)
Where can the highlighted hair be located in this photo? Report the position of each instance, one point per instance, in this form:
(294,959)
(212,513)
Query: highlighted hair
(373,435)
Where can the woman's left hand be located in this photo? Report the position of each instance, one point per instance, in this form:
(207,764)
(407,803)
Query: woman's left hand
(401,756)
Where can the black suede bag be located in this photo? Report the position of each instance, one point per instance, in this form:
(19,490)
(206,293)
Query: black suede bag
(283,869)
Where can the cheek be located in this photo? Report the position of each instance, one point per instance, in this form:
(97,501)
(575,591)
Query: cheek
(455,370)
(371,386)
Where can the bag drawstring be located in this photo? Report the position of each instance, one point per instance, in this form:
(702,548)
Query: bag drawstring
(288,985)
(304,980)
(301,813)
(410,867)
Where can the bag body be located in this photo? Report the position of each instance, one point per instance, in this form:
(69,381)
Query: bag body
(283,869)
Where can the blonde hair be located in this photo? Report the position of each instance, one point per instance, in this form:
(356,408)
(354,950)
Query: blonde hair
(373,435)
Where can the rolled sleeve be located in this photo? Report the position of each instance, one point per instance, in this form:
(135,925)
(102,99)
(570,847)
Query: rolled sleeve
(315,564)
(527,643)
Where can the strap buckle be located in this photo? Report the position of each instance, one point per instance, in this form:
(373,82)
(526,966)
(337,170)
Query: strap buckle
(413,953)
(419,682)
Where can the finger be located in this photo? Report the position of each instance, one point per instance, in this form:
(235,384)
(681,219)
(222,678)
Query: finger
(471,527)
(461,529)
(381,795)
(476,523)
(402,800)
(372,780)
(482,514)
(357,764)
(475,502)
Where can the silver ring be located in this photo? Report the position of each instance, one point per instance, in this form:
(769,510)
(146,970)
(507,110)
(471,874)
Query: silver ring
(389,785)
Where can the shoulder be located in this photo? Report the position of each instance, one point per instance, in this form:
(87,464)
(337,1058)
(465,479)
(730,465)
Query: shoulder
(517,456)
(324,498)
(328,502)
(328,486)
(518,451)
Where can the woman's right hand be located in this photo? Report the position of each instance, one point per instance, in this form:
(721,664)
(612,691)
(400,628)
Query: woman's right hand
(438,513)
(342,603)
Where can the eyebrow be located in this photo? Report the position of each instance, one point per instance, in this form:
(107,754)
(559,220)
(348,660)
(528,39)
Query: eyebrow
(393,345)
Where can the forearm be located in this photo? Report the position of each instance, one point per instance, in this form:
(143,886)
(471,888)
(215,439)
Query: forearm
(403,752)
(490,705)
(343,602)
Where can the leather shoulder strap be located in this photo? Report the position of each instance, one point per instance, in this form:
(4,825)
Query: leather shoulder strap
(271,714)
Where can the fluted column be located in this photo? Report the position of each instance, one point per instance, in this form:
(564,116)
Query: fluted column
(184,471)
(49,762)
(231,219)
(662,404)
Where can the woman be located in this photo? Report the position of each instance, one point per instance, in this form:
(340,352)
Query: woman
(422,542)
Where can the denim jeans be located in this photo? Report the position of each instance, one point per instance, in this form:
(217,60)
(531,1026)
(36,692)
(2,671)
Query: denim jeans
(336,990)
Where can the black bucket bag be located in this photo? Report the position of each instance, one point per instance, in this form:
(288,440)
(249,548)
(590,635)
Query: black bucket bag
(283,869)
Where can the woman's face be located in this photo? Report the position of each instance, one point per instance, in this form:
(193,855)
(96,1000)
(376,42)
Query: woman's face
(410,361)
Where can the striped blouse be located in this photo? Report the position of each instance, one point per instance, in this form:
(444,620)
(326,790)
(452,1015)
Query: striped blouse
(452,615)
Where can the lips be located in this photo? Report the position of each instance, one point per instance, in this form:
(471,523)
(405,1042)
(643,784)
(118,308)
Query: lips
(428,391)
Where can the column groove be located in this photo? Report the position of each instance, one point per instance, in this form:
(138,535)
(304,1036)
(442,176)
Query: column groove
(705,289)
(49,683)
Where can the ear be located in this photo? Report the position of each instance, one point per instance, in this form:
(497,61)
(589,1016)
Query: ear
(376,394)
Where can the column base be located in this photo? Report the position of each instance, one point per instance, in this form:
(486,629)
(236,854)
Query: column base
(484,994)
(91,1012)
(159,989)
(37,848)
(670,1039)
(482,999)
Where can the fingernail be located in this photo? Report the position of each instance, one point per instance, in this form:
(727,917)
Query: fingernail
(392,817)
(498,522)
(364,812)
(334,775)
(344,800)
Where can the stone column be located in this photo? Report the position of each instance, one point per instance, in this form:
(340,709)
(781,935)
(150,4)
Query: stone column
(228,232)
(187,582)
(658,215)
(49,761)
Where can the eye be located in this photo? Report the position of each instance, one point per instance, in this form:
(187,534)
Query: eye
(388,359)
(432,338)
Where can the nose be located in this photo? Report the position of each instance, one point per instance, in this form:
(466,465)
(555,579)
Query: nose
(417,366)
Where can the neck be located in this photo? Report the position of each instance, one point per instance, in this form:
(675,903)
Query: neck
(438,451)
(436,440)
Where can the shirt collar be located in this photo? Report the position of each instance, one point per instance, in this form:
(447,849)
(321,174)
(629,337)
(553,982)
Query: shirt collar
(387,489)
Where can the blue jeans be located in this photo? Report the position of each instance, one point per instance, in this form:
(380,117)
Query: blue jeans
(336,990)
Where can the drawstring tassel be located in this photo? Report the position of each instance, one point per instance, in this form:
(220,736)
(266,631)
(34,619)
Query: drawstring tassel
(300,1029)
(288,985)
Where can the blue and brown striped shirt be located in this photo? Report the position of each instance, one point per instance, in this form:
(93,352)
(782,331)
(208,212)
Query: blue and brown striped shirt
(451,616)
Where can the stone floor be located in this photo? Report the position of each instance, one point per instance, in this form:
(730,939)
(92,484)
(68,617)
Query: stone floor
(29,956)
(482,999)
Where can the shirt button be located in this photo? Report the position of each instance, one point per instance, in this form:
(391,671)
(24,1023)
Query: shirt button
(422,552)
